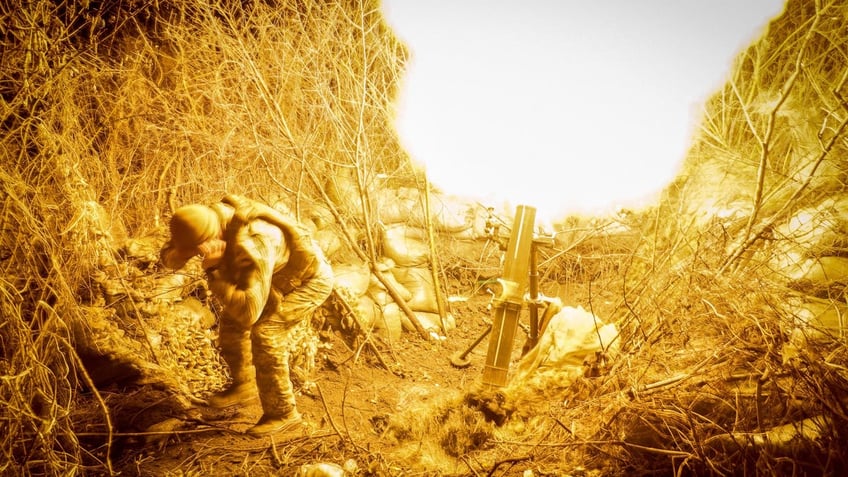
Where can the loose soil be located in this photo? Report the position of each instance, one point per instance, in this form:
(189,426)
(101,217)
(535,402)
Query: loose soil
(345,416)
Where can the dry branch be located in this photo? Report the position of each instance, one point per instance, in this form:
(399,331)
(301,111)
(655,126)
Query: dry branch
(769,223)
(137,106)
(765,141)
(434,259)
(390,288)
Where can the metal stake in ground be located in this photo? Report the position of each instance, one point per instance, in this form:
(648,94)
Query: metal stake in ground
(460,360)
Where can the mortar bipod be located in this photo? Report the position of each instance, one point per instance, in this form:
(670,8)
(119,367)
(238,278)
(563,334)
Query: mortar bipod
(534,299)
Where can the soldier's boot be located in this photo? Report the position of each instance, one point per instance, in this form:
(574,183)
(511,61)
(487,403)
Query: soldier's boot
(269,424)
(236,393)
(271,351)
(236,351)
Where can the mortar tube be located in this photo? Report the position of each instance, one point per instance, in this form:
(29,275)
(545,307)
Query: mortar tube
(508,308)
(504,326)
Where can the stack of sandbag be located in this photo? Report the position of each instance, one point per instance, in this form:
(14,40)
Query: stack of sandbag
(408,253)
(412,281)
(319,222)
(375,308)
(405,255)
(418,281)
(449,214)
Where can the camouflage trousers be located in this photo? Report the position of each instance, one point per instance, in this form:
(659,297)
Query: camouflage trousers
(262,351)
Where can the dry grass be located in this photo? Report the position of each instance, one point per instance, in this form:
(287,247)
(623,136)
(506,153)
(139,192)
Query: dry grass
(708,369)
(114,113)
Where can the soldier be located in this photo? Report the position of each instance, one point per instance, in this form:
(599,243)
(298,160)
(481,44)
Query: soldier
(269,276)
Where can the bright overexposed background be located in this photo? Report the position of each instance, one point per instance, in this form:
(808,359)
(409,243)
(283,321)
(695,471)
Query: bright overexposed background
(570,106)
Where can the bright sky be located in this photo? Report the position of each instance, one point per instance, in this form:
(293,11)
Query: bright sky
(564,105)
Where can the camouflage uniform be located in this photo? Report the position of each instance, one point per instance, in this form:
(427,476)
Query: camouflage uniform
(271,277)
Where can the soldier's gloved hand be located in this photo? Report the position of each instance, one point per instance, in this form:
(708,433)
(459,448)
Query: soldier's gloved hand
(212,251)
(220,287)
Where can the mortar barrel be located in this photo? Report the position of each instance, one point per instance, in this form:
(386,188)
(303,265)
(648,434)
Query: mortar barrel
(514,282)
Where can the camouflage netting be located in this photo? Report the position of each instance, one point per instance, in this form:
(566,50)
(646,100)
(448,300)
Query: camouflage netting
(726,297)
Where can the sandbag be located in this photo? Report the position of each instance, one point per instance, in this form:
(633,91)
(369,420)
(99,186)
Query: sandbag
(388,325)
(415,232)
(329,242)
(401,246)
(452,214)
(819,320)
(419,282)
(343,191)
(818,230)
(321,216)
(368,312)
(818,276)
(429,321)
(380,294)
(399,206)
(353,277)
(826,271)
